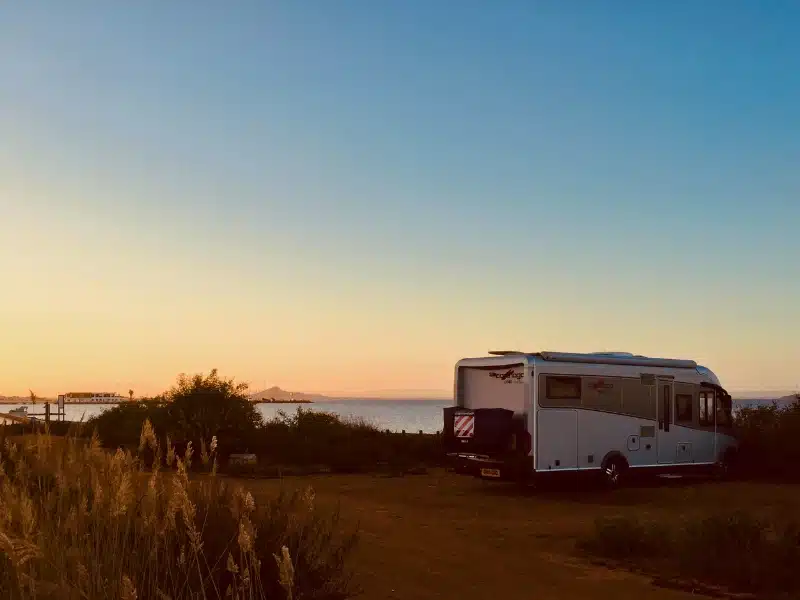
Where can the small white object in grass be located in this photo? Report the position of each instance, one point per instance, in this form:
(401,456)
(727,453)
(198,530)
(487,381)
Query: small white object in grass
(242,459)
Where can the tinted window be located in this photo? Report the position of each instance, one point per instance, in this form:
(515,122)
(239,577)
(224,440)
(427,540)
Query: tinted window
(707,408)
(563,388)
(638,400)
(602,393)
(683,408)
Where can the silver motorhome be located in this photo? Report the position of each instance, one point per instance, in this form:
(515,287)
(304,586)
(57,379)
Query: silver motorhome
(520,414)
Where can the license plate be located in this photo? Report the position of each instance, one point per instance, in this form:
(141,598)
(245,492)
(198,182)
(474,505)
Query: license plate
(490,473)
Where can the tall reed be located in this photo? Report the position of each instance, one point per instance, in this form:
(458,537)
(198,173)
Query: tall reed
(79,522)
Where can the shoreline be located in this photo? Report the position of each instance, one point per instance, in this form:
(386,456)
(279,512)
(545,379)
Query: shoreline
(273,401)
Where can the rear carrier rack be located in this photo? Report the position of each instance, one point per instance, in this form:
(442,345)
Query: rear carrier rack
(483,431)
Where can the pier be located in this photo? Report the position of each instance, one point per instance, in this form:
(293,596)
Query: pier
(43,418)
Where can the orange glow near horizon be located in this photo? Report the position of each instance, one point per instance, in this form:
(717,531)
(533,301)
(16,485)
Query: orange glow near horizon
(113,320)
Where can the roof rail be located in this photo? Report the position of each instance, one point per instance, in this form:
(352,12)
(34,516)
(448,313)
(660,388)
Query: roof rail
(619,359)
(504,352)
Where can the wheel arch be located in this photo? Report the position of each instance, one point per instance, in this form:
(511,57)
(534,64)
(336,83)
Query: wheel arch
(614,455)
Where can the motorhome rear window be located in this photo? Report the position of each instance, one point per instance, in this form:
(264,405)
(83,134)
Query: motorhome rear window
(563,388)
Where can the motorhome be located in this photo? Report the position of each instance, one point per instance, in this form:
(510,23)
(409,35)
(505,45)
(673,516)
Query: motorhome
(522,415)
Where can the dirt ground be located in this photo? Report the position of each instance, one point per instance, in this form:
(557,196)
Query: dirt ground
(441,535)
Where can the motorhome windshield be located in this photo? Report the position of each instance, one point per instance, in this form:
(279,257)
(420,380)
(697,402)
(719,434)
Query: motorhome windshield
(724,409)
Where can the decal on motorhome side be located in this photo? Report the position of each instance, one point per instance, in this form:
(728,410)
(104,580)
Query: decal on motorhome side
(601,386)
(509,376)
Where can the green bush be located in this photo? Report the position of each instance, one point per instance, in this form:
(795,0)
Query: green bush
(733,550)
(120,426)
(768,442)
(345,445)
(194,410)
(625,538)
(726,549)
(200,407)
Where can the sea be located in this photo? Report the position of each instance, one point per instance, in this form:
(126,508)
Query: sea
(409,415)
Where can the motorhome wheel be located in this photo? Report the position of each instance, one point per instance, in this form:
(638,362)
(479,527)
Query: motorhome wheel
(614,471)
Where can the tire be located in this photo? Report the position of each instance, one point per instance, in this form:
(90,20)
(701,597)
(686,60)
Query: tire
(724,467)
(523,480)
(613,473)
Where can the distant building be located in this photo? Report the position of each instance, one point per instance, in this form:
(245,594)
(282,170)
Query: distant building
(93,398)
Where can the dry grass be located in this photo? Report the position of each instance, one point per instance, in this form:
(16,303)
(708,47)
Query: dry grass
(734,550)
(78,522)
(439,536)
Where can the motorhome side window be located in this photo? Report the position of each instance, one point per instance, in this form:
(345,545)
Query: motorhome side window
(707,408)
(683,408)
(563,388)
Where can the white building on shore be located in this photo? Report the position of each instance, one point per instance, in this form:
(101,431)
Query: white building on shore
(93,398)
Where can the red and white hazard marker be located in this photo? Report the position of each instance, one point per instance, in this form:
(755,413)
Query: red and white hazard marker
(464,425)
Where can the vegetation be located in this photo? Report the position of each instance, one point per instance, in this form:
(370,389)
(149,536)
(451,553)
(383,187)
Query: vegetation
(79,522)
(193,410)
(735,550)
(200,407)
(343,445)
(769,442)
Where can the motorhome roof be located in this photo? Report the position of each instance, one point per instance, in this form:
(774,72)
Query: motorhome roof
(618,358)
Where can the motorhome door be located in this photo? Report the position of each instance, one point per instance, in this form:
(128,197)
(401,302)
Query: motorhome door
(667,435)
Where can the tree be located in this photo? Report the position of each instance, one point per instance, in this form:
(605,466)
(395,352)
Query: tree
(33,396)
(200,407)
(130,393)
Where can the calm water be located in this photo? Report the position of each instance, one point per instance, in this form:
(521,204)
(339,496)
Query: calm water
(397,415)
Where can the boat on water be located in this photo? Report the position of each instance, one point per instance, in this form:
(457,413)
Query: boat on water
(22,411)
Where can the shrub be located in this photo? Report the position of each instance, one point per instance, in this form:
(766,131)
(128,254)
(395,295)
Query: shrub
(734,550)
(345,445)
(768,439)
(200,407)
(196,409)
(626,538)
(728,549)
(81,523)
(120,426)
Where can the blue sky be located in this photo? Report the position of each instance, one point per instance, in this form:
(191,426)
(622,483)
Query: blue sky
(349,196)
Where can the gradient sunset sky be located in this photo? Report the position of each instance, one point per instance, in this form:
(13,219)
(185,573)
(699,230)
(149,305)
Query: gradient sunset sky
(348,196)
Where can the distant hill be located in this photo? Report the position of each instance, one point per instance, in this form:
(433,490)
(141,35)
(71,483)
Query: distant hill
(276,394)
(13,400)
(782,402)
(761,394)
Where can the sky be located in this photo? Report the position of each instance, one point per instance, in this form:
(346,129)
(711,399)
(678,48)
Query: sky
(347,197)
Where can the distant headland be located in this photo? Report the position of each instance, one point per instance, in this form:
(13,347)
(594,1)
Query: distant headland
(276,395)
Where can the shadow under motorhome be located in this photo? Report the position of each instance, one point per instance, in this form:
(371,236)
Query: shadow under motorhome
(522,415)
